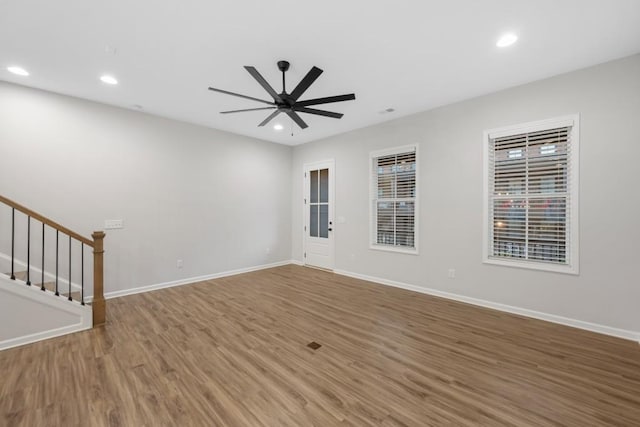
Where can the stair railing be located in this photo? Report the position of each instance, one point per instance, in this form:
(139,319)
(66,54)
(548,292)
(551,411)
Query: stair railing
(96,243)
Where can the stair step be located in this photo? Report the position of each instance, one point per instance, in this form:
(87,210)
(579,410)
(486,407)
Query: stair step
(20,275)
(50,286)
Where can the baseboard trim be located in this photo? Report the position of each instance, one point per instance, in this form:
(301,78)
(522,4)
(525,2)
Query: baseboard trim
(39,336)
(187,281)
(593,327)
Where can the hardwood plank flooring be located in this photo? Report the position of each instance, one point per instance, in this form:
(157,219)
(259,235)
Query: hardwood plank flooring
(233,352)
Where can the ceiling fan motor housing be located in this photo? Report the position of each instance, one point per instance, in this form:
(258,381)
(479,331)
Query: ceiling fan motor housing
(283,66)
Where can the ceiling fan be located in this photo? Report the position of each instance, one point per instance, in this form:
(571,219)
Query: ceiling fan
(288,102)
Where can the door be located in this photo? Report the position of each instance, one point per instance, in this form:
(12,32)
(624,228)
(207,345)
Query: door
(318,202)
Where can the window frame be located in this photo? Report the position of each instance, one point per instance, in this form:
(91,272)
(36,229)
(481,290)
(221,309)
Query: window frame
(373,190)
(573,241)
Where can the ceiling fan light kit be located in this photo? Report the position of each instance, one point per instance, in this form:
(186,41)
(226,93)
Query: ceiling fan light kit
(288,103)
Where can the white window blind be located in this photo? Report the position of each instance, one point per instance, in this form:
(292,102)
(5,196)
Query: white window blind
(394,199)
(530,206)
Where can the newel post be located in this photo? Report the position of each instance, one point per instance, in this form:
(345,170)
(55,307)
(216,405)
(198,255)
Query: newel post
(98,305)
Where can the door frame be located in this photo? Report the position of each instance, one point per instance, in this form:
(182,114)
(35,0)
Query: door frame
(331,164)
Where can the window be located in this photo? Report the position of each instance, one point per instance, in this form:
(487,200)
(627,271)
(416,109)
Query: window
(394,201)
(531,195)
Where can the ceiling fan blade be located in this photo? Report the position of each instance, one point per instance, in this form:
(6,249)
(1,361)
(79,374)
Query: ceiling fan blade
(271,116)
(306,82)
(248,109)
(318,112)
(296,118)
(327,100)
(256,75)
(241,96)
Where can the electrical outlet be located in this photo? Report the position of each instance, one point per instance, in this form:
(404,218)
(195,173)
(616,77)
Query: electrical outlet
(268,250)
(179,263)
(452,273)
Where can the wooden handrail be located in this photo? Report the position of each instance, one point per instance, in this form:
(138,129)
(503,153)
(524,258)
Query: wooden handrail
(97,243)
(47,221)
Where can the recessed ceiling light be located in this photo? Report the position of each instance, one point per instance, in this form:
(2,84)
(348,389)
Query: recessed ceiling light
(110,50)
(278,126)
(110,80)
(18,70)
(507,40)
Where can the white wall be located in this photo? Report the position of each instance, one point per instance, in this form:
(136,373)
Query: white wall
(213,199)
(606,292)
(30,315)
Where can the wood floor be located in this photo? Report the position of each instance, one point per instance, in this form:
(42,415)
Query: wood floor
(233,352)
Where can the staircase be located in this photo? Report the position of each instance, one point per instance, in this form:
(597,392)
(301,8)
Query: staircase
(73,295)
(44,277)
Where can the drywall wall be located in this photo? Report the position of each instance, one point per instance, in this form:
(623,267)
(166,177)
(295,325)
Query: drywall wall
(215,200)
(27,306)
(606,291)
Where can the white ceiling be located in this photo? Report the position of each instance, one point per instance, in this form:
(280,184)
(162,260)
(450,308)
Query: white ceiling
(404,54)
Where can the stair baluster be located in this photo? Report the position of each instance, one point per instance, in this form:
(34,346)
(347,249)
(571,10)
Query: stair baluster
(81,273)
(57,293)
(70,299)
(97,244)
(13,243)
(28,250)
(42,275)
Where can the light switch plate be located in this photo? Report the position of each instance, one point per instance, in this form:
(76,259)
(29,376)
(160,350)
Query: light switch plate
(112,224)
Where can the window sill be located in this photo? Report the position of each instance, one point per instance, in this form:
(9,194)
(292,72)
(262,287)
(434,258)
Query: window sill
(396,249)
(532,265)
